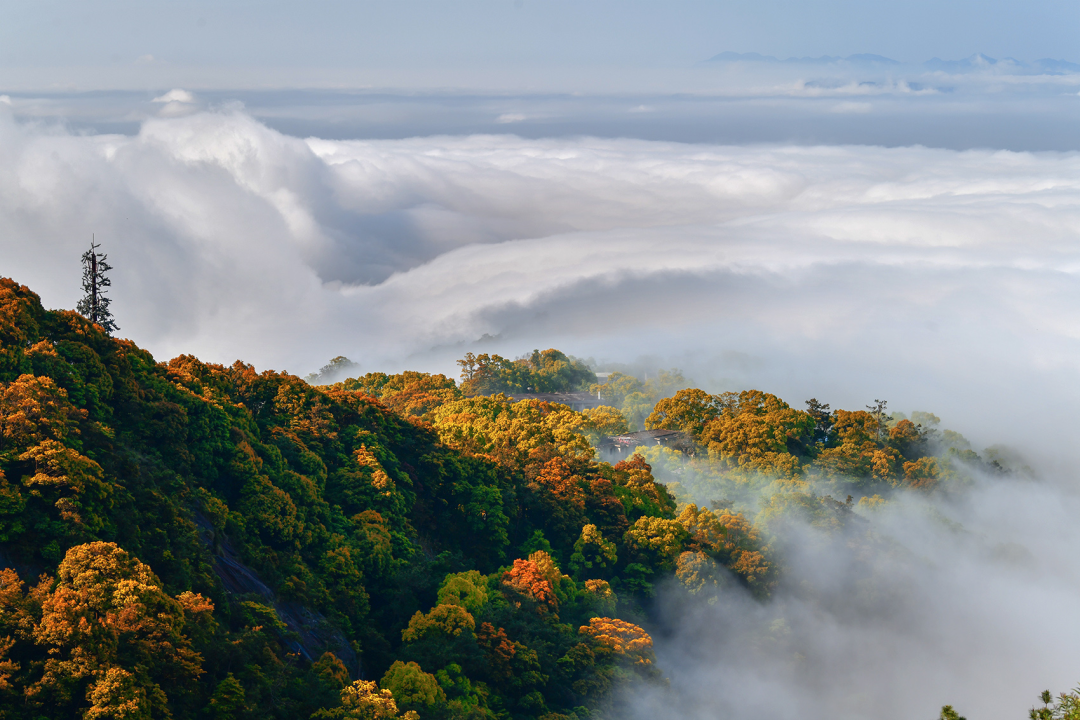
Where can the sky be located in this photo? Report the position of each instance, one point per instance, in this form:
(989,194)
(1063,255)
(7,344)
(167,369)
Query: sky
(515,44)
(404,182)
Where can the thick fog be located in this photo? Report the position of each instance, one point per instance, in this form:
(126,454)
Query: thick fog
(968,601)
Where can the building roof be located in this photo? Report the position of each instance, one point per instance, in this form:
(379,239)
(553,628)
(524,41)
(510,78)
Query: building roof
(647,437)
(658,433)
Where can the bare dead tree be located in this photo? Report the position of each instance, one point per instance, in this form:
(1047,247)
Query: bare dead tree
(95,303)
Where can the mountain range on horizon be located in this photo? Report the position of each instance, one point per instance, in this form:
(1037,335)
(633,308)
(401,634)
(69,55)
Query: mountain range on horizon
(973,63)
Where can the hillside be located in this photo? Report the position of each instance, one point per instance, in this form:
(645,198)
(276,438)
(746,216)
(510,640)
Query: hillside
(191,540)
(212,541)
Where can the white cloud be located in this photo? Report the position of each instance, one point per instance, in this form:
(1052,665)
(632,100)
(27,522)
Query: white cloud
(177,103)
(924,275)
(176,95)
(936,279)
(966,602)
(510,118)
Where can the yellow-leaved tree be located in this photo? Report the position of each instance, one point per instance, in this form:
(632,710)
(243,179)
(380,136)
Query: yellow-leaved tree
(113,636)
(363,700)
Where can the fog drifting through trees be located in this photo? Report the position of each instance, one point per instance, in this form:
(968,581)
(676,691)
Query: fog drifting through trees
(970,603)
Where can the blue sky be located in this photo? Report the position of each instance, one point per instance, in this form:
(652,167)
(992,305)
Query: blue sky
(129,43)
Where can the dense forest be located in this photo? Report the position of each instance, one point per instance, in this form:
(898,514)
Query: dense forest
(183,539)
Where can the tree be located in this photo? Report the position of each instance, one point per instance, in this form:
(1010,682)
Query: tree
(407,393)
(656,542)
(363,700)
(550,371)
(592,553)
(95,304)
(603,422)
(527,580)
(467,589)
(617,388)
(111,630)
(822,419)
(856,452)
(880,412)
(411,687)
(338,369)
(689,410)
(443,620)
(753,432)
(509,431)
(228,701)
(698,573)
(1065,707)
(625,640)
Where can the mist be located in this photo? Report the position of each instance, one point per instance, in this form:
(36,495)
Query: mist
(967,599)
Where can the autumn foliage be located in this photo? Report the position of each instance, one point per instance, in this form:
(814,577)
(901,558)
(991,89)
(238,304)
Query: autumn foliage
(185,539)
(622,638)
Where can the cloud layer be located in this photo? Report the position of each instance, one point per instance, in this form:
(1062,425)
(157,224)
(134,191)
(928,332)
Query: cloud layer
(924,276)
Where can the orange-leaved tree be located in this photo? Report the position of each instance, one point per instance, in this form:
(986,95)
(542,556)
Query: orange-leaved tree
(525,580)
(113,636)
(623,639)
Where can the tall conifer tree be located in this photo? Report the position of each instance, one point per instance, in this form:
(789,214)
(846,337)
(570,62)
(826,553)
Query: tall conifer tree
(95,304)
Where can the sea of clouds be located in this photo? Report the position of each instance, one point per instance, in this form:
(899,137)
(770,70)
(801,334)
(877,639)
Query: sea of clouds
(936,279)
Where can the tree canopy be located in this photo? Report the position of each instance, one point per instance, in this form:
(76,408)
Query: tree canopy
(550,371)
(186,539)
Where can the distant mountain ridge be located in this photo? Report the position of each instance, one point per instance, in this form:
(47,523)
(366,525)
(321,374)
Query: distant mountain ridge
(974,63)
(978,61)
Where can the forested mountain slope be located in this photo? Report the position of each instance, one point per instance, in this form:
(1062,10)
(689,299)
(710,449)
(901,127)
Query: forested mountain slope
(188,539)
(191,540)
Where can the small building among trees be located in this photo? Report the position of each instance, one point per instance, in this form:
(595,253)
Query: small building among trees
(617,448)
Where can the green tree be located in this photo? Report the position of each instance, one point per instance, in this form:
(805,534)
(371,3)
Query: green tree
(412,688)
(334,371)
(1065,706)
(593,555)
(467,589)
(229,701)
(549,371)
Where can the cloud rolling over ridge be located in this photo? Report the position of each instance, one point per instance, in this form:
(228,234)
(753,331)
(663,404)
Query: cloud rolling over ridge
(925,276)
